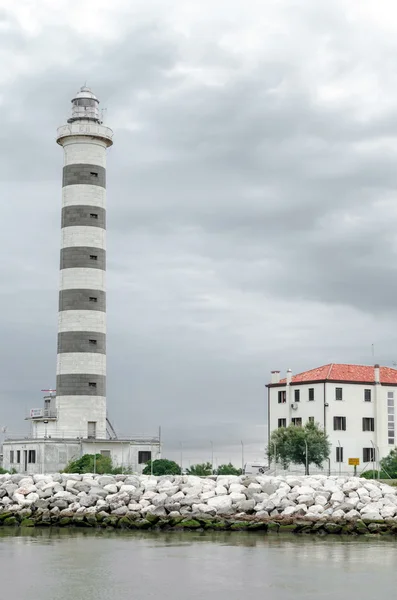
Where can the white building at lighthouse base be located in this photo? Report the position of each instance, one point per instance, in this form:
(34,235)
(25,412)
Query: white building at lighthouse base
(49,447)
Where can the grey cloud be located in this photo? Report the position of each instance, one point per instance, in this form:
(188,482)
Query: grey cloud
(231,186)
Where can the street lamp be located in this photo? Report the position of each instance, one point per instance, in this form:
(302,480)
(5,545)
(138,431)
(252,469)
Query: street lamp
(181,446)
(307,458)
(242,456)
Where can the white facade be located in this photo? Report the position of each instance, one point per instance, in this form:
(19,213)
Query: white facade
(358,417)
(50,456)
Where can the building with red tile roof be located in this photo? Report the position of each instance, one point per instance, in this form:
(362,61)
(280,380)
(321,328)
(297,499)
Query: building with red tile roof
(355,404)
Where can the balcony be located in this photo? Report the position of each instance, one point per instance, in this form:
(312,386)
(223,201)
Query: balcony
(42,414)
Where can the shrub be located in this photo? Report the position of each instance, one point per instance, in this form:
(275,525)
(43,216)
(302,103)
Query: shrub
(162,466)
(228,470)
(201,470)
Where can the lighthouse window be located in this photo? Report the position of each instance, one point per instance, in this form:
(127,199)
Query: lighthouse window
(92,384)
(93,299)
(93,257)
(93,342)
(94,174)
(93,216)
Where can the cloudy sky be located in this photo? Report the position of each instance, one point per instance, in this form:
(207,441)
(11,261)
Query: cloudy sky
(252,213)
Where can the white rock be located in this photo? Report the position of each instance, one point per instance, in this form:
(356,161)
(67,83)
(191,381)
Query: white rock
(305,490)
(111,488)
(236,498)
(238,488)
(290,510)
(374,516)
(221,491)
(160,499)
(222,504)
(338,497)
(352,515)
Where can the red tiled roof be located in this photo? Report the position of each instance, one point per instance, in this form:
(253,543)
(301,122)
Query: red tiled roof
(355,373)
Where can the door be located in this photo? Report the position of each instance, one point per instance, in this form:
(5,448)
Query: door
(91,430)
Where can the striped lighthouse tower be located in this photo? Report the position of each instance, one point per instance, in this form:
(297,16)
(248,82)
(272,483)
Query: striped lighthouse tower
(81,359)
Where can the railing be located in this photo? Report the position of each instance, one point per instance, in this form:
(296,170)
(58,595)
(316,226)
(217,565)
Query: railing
(68,435)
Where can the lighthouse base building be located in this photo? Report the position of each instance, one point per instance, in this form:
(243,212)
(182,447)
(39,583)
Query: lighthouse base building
(73,420)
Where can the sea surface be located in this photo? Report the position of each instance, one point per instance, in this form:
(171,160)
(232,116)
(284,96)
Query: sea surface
(87,565)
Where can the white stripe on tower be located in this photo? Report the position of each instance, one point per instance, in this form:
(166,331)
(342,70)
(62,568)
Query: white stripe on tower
(81,360)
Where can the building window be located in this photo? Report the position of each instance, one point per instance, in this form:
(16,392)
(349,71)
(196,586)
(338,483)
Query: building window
(11,457)
(92,384)
(339,454)
(282,423)
(368,424)
(297,421)
(339,423)
(93,216)
(18,457)
(338,394)
(311,394)
(105,453)
(93,342)
(93,174)
(311,419)
(93,299)
(368,455)
(282,397)
(93,257)
(144,456)
(367,395)
(91,430)
(32,456)
(390,418)
(297,394)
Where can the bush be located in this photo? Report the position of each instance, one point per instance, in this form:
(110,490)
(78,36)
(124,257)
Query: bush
(103,464)
(162,466)
(4,472)
(228,470)
(374,475)
(201,470)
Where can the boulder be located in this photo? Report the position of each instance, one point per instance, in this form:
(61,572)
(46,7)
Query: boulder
(222,504)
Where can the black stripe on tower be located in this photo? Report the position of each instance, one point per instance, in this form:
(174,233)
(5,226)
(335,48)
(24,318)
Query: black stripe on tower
(82,215)
(83,257)
(81,385)
(81,173)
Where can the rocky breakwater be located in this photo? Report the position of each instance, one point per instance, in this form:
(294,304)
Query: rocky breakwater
(296,504)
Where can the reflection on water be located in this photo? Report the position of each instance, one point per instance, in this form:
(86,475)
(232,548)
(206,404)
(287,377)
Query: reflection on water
(66,564)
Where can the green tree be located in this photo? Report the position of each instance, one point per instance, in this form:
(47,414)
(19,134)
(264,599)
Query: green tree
(162,466)
(201,470)
(288,445)
(389,464)
(228,470)
(90,463)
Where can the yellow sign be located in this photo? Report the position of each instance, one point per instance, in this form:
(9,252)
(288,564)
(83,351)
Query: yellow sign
(354,462)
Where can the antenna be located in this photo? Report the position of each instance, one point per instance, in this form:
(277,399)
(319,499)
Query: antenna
(373,350)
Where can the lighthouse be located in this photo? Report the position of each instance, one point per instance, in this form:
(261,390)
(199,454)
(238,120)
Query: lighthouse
(81,355)
(73,420)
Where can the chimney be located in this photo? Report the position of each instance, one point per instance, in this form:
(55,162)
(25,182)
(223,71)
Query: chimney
(275,377)
(289,376)
(377,373)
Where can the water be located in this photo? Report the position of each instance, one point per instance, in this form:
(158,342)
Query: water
(85,565)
